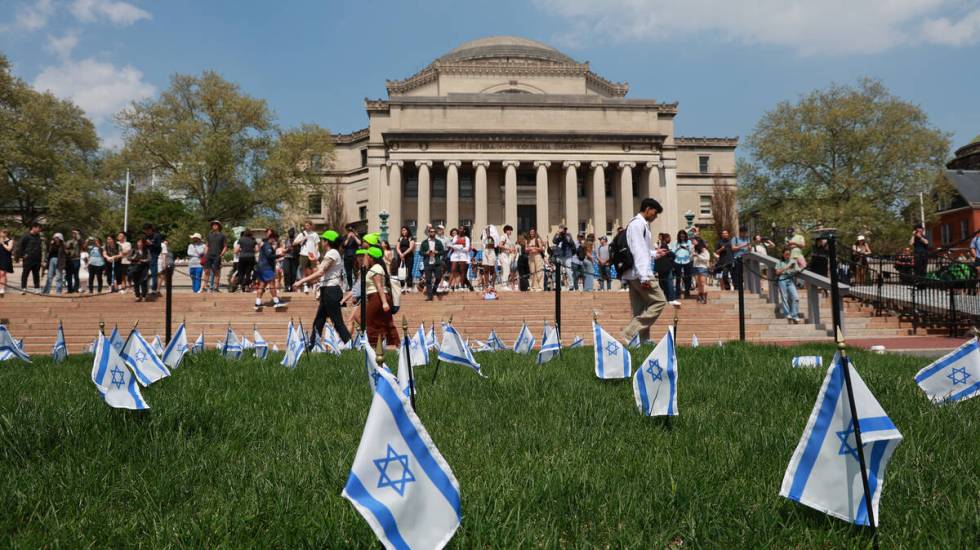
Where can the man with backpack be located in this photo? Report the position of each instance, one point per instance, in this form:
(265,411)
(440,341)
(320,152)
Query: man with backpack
(631,256)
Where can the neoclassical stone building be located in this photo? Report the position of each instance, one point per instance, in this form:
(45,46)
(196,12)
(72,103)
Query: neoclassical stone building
(510,130)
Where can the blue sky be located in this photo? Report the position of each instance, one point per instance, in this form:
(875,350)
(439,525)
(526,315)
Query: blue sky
(726,62)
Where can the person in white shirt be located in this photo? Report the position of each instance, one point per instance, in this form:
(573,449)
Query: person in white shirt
(505,246)
(647,299)
(309,251)
(331,272)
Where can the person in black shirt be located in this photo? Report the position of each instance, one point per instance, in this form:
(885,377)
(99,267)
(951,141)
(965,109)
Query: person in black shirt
(290,259)
(246,259)
(139,268)
(726,257)
(351,243)
(30,251)
(920,249)
(154,246)
(6,258)
(405,257)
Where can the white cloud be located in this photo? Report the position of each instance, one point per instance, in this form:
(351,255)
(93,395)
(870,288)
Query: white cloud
(35,16)
(120,13)
(101,89)
(806,26)
(62,46)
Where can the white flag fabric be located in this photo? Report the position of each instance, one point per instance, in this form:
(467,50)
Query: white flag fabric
(330,340)
(418,349)
(824,472)
(455,350)
(399,482)
(807,361)
(92,346)
(60,350)
(9,348)
(113,379)
(157,346)
(431,340)
(694,340)
(231,348)
(261,347)
(140,357)
(275,347)
(295,347)
(953,377)
(116,340)
(612,359)
(246,343)
(525,340)
(550,344)
(176,349)
(199,344)
(494,342)
(577,342)
(655,381)
(634,341)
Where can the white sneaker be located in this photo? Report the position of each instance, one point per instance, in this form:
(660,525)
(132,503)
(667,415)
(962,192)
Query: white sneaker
(675,303)
(306,289)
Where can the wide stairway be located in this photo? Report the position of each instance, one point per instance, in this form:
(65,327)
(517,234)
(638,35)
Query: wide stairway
(35,318)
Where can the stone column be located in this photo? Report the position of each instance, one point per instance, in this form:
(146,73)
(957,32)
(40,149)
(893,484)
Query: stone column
(395,195)
(425,196)
(571,194)
(669,202)
(653,191)
(452,192)
(599,197)
(625,192)
(480,195)
(541,196)
(510,192)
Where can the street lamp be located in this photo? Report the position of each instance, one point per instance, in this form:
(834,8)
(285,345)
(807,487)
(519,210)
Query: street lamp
(689,216)
(383,216)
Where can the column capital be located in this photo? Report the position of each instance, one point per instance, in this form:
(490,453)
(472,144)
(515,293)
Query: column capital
(628,164)
(456,163)
(479,163)
(398,163)
(656,164)
(542,163)
(426,163)
(509,163)
(571,163)
(599,164)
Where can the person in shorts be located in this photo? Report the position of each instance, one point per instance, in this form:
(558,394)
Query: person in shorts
(265,269)
(309,251)
(216,246)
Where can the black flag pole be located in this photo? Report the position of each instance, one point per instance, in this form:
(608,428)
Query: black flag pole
(676,309)
(408,355)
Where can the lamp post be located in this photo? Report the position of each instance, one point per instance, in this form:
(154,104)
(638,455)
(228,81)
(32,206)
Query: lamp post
(689,216)
(383,216)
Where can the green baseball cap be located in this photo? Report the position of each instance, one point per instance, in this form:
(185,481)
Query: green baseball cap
(372,239)
(374,252)
(330,235)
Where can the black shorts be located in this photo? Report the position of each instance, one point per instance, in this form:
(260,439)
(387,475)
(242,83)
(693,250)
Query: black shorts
(212,263)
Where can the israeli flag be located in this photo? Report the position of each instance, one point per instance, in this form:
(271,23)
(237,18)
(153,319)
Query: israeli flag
(60,351)
(157,346)
(634,341)
(116,340)
(455,350)
(295,346)
(479,345)
(404,377)
(494,342)
(399,482)
(176,348)
(525,340)
(577,342)
(231,348)
(550,344)
(655,381)
(261,347)
(198,344)
(612,359)
(330,340)
(92,346)
(371,363)
(953,377)
(275,348)
(358,341)
(10,349)
(694,340)
(430,340)
(113,379)
(824,472)
(418,351)
(140,357)
(807,361)
(246,343)
(318,345)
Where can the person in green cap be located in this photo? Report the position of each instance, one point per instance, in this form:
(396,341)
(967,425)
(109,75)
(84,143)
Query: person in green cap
(378,293)
(330,271)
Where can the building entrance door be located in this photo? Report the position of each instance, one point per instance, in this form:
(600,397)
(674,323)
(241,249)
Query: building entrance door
(527,216)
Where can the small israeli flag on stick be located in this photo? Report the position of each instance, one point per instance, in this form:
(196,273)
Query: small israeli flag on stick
(261,347)
(431,340)
(455,350)
(116,340)
(550,344)
(525,340)
(634,341)
(612,359)
(399,481)
(417,349)
(9,348)
(176,348)
(231,348)
(694,340)
(157,346)
(953,377)
(577,342)
(140,357)
(295,347)
(655,381)
(494,342)
(825,472)
(111,376)
(60,351)
(807,361)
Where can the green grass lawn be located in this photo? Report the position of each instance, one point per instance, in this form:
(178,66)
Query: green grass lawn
(248,453)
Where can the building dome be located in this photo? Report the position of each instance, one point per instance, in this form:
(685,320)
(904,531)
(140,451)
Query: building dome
(504,47)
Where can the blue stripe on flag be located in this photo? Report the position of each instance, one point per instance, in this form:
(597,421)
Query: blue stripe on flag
(820,427)
(671,374)
(134,394)
(143,380)
(418,447)
(597,342)
(877,453)
(876,424)
(627,368)
(644,400)
(957,355)
(963,394)
(454,358)
(355,489)
(103,362)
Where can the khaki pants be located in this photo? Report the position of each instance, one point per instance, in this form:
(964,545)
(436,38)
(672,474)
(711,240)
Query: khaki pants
(647,304)
(504,268)
(536,265)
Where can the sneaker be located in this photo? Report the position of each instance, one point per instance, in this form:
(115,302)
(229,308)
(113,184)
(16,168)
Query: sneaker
(306,289)
(674,303)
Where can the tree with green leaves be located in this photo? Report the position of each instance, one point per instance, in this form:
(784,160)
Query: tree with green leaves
(854,158)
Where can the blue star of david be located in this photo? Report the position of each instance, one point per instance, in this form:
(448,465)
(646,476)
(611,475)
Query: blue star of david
(375,375)
(139,356)
(386,480)
(612,348)
(845,446)
(655,370)
(414,344)
(118,346)
(956,378)
(117,377)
